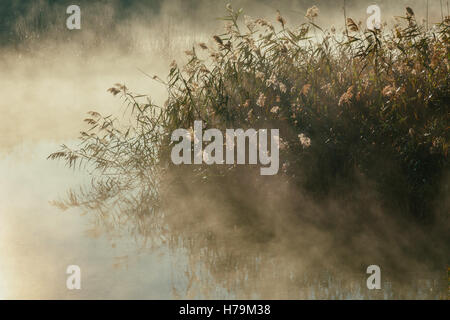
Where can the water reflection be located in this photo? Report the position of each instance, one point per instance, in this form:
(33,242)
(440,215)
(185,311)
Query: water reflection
(38,241)
(218,253)
(168,257)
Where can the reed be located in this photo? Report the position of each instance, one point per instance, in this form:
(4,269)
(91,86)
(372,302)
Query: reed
(370,102)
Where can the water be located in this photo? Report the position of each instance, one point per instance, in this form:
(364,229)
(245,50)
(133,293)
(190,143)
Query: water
(39,241)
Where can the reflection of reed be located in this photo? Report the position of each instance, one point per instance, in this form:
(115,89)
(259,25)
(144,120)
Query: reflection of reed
(231,257)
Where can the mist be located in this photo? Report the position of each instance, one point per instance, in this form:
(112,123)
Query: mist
(51,77)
